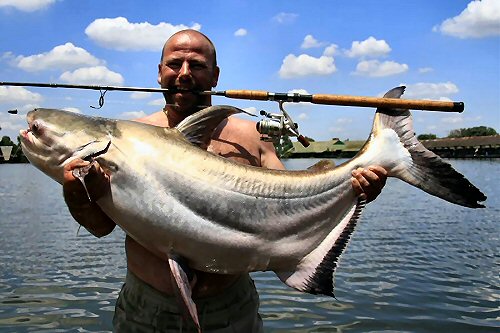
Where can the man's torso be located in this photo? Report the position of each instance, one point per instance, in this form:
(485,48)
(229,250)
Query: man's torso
(154,270)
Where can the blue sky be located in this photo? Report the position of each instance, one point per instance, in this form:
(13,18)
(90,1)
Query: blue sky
(443,50)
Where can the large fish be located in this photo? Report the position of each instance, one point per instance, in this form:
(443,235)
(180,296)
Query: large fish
(179,201)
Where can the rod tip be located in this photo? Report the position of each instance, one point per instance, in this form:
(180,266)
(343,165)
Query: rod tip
(458,106)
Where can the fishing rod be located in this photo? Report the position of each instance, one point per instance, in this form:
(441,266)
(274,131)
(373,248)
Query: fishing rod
(277,125)
(325,99)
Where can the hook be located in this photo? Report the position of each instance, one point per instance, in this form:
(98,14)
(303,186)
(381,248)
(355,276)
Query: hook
(101,99)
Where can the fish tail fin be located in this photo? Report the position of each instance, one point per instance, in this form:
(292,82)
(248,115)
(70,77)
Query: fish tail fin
(421,167)
(314,273)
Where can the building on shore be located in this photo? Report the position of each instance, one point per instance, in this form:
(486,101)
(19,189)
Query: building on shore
(466,147)
(334,148)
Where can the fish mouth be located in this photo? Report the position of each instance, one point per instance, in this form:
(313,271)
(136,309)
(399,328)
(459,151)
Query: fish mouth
(26,136)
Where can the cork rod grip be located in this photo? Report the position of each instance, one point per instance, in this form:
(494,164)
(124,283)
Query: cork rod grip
(248,94)
(388,103)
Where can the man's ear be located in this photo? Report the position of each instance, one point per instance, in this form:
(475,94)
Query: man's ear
(215,77)
(159,74)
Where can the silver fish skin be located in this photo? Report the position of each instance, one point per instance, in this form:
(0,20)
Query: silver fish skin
(223,217)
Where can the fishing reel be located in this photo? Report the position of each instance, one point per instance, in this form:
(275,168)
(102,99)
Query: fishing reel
(278,125)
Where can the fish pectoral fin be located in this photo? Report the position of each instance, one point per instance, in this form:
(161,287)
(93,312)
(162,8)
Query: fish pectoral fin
(200,126)
(184,278)
(92,149)
(314,273)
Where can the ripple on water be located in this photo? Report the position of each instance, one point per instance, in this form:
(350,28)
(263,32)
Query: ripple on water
(414,264)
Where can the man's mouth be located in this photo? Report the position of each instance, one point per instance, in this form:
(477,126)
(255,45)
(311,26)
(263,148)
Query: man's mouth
(183,90)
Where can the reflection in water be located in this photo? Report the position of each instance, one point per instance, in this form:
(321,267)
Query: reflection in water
(415,264)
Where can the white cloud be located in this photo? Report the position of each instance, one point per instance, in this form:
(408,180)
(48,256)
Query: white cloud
(303,116)
(298,91)
(132,115)
(375,68)
(337,130)
(423,90)
(479,19)
(64,57)
(15,95)
(370,47)
(310,42)
(251,110)
(157,102)
(97,75)
(240,32)
(284,18)
(344,121)
(72,109)
(27,5)
(140,95)
(305,65)
(12,123)
(331,50)
(119,34)
(455,119)
(424,70)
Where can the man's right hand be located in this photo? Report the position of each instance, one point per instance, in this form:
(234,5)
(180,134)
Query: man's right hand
(86,212)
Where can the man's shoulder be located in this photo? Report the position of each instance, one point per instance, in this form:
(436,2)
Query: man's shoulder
(157,119)
(236,123)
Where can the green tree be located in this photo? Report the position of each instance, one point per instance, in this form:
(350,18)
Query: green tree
(6,141)
(429,136)
(17,155)
(283,146)
(472,131)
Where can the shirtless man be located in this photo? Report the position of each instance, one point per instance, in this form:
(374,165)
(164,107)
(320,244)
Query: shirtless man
(225,302)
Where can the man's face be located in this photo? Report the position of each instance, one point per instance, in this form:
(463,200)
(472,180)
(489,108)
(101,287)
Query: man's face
(187,63)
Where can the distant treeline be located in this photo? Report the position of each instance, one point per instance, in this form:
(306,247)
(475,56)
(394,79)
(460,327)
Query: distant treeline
(462,132)
(16,155)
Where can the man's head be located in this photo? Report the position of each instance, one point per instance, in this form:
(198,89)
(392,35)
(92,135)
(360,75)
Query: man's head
(189,62)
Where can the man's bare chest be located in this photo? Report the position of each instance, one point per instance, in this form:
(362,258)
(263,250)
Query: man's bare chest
(238,152)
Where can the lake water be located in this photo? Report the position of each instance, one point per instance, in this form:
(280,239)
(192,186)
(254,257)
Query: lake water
(415,264)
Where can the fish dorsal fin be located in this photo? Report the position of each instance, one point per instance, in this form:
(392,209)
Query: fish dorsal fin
(322,165)
(314,273)
(199,127)
(183,276)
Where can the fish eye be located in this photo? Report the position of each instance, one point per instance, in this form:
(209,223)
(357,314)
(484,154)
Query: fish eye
(35,127)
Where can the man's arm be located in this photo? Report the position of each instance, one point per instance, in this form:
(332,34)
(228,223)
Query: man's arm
(86,212)
(268,157)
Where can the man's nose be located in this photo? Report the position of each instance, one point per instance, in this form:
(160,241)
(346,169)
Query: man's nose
(185,70)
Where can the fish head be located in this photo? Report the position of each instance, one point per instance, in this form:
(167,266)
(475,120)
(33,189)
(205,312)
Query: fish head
(54,138)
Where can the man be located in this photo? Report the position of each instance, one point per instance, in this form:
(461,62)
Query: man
(225,302)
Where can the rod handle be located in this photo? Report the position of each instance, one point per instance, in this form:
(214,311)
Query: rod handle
(388,103)
(259,95)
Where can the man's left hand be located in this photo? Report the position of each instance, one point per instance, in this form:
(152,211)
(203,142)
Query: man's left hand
(369,181)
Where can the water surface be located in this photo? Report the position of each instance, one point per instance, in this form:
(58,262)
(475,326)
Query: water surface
(415,264)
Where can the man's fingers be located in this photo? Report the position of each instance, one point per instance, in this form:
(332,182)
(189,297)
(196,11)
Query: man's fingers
(379,171)
(359,175)
(356,186)
(369,181)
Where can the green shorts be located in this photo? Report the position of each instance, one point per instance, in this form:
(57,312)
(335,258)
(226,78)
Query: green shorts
(141,308)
